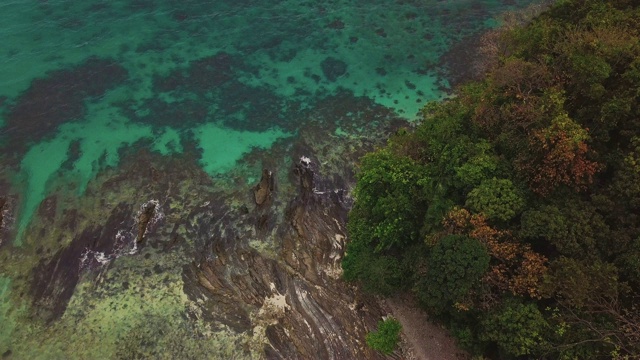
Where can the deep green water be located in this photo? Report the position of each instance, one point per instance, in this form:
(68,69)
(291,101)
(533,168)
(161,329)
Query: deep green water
(80,80)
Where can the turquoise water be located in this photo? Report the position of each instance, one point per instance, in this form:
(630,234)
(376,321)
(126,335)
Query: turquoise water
(82,80)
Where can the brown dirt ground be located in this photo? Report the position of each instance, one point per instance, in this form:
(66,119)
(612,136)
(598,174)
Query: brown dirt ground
(422,339)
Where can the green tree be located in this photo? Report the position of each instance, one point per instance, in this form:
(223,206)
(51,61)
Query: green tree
(455,267)
(481,164)
(390,200)
(378,274)
(517,328)
(497,199)
(574,227)
(385,220)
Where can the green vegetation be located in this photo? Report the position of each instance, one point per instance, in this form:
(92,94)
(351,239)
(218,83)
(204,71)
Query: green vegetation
(386,338)
(456,265)
(512,211)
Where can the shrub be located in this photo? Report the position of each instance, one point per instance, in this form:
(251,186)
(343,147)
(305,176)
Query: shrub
(386,338)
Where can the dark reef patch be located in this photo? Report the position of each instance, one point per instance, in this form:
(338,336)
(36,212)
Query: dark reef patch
(202,75)
(178,114)
(349,112)
(59,98)
(73,154)
(213,71)
(207,84)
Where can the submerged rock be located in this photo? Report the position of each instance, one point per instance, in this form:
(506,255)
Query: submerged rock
(333,68)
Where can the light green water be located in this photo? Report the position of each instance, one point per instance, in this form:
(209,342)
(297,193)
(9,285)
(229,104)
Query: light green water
(223,147)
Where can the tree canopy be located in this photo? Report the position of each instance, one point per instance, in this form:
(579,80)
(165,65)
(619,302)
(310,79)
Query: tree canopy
(512,210)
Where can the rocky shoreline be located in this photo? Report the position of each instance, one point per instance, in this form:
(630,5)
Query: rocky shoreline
(159,259)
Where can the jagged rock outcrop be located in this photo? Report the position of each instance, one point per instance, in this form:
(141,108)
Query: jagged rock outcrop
(262,191)
(3,201)
(147,211)
(293,304)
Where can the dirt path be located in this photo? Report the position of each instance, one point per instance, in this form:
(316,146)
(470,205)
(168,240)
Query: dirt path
(422,340)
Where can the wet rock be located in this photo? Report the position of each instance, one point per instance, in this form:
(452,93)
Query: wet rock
(304,171)
(267,276)
(8,206)
(147,211)
(262,191)
(3,202)
(333,68)
(54,279)
(317,216)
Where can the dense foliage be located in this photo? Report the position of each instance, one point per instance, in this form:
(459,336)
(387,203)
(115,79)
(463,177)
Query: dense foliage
(386,338)
(512,211)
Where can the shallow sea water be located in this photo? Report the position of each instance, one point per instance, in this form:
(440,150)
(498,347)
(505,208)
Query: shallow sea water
(82,80)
